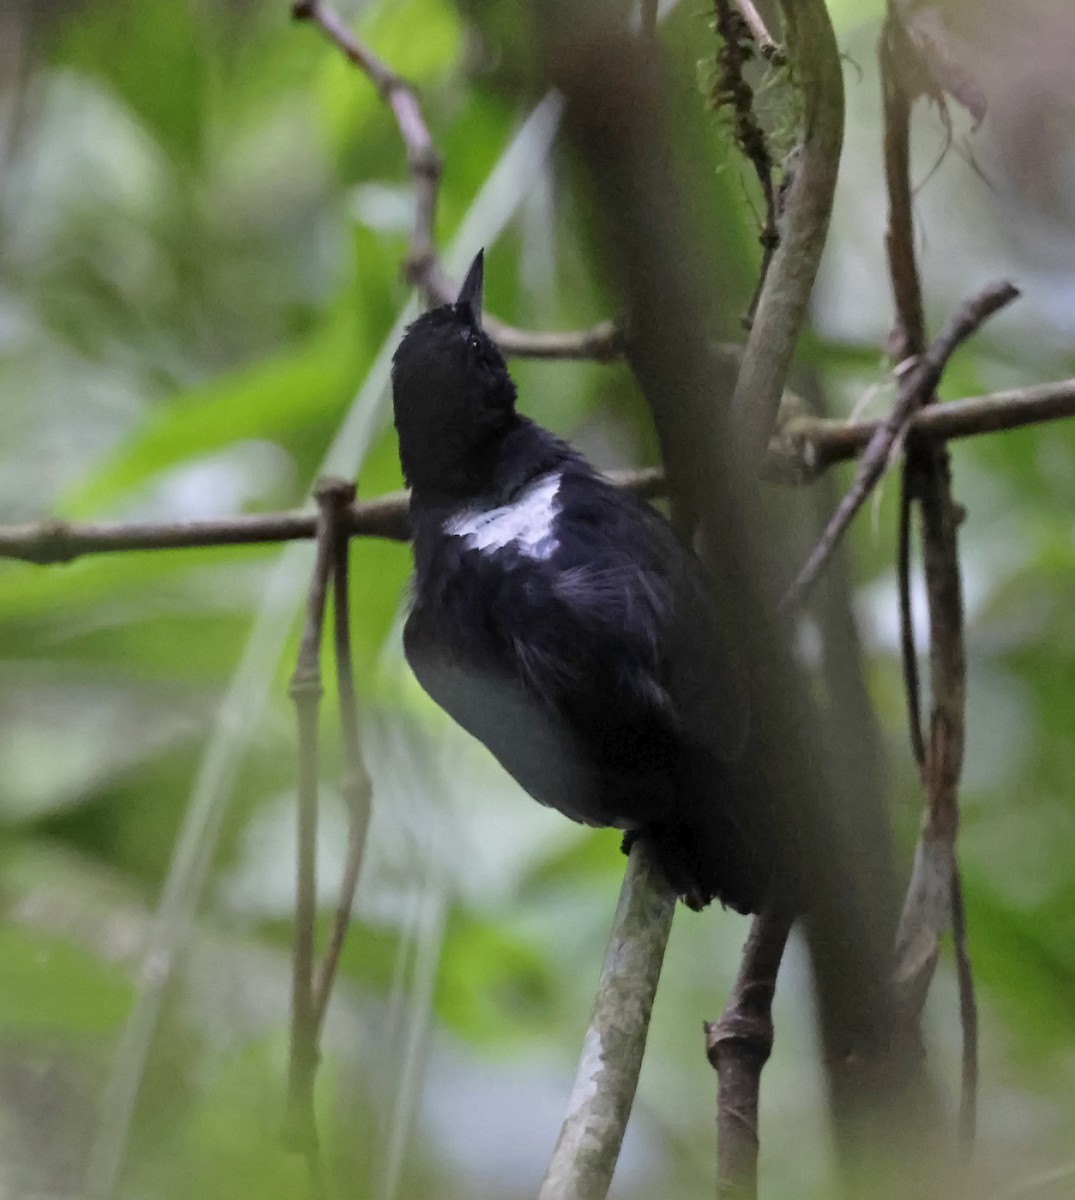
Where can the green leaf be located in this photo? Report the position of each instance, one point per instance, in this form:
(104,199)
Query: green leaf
(281,398)
(51,985)
(118,39)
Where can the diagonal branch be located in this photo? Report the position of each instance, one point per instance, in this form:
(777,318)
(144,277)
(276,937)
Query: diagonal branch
(589,1143)
(784,297)
(918,385)
(602,343)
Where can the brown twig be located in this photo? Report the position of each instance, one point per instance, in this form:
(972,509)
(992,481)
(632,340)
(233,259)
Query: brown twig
(968,1015)
(908,650)
(918,384)
(422,268)
(739,1045)
(49,542)
(423,161)
(300,1124)
(909,333)
(802,450)
(934,896)
(356,785)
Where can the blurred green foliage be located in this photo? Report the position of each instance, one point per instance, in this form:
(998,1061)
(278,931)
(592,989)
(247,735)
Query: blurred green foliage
(203,209)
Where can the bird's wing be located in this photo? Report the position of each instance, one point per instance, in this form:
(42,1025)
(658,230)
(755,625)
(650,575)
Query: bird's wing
(644,621)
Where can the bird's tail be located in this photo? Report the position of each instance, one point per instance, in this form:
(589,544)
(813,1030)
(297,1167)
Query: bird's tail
(712,853)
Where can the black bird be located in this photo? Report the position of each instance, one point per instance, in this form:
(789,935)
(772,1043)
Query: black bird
(560,621)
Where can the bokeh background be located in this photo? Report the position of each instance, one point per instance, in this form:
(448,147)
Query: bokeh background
(203,210)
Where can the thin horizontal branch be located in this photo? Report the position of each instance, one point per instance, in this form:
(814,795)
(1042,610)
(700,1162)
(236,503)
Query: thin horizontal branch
(803,449)
(806,447)
(49,542)
(603,342)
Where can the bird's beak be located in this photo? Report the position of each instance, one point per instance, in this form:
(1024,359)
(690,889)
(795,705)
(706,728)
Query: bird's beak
(470,294)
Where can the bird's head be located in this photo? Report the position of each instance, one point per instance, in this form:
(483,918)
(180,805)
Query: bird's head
(452,395)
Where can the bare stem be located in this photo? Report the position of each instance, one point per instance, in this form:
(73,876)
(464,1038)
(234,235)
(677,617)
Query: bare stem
(589,1143)
(908,651)
(968,1011)
(300,1124)
(356,785)
(934,895)
(738,1046)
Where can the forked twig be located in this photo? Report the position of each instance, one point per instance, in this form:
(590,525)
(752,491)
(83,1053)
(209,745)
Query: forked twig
(916,387)
(310,992)
(603,342)
(356,784)
(300,1124)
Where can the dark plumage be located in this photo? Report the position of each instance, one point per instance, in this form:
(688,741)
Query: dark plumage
(561,622)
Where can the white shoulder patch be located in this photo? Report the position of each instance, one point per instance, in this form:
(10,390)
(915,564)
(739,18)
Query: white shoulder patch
(527,523)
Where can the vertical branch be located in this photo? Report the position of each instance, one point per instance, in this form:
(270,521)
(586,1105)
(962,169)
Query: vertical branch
(589,1142)
(909,333)
(356,783)
(738,1046)
(908,650)
(968,1012)
(731,90)
(934,897)
(300,1125)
